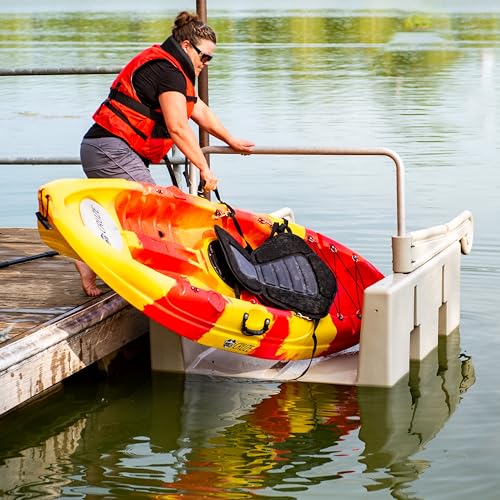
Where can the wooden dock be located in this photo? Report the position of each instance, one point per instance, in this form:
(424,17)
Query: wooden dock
(49,329)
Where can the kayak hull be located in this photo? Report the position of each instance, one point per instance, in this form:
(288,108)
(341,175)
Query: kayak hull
(153,245)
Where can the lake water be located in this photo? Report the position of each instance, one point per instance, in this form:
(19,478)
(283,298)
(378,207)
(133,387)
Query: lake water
(423,80)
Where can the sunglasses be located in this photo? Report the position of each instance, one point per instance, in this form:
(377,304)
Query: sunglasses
(204,58)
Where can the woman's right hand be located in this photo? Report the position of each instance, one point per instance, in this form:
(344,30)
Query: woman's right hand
(209,179)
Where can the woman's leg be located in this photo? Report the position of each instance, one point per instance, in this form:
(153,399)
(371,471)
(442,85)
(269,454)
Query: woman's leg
(88,279)
(108,157)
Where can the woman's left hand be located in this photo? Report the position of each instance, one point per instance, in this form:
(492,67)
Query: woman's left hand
(241,146)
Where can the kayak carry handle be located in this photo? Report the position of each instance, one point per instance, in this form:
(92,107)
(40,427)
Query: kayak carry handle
(249,331)
(43,221)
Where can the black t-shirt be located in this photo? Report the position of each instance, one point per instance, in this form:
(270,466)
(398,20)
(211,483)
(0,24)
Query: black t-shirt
(157,77)
(154,78)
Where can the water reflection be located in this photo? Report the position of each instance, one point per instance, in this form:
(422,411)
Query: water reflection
(398,423)
(177,436)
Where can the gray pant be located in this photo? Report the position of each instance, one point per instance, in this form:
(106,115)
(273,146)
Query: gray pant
(111,157)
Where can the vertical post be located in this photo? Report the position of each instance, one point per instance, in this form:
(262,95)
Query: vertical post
(201,10)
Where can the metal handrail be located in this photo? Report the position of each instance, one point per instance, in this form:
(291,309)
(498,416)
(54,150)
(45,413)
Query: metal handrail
(61,160)
(177,160)
(89,70)
(40,160)
(398,162)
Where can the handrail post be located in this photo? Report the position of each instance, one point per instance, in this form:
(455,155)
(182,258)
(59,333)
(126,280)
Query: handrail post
(203,136)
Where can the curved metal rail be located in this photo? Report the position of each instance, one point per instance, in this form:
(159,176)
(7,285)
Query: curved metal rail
(398,162)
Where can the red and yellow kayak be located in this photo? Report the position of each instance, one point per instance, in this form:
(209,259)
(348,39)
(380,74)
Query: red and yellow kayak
(152,245)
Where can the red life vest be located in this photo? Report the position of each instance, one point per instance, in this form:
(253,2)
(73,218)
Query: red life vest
(125,116)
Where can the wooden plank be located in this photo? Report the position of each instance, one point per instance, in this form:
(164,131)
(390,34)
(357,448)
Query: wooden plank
(49,328)
(17,321)
(20,242)
(36,361)
(36,291)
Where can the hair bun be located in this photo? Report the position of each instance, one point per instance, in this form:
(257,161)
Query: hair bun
(184,18)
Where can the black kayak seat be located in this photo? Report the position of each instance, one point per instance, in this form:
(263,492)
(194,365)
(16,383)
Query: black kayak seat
(284,271)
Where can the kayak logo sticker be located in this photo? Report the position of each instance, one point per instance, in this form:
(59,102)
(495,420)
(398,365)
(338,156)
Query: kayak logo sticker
(97,220)
(237,346)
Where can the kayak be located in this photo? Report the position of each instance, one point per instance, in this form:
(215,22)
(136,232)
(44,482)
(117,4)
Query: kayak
(245,282)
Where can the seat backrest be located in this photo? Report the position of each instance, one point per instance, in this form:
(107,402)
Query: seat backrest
(284,271)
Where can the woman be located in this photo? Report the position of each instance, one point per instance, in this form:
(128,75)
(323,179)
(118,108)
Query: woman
(148,111)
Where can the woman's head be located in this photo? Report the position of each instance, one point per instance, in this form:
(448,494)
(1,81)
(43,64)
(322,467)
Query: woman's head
(196,38)
(189,27)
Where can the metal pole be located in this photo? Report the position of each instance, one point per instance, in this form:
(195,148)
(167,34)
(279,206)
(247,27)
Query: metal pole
(204,138)
(201,9)
(27,258)
(88,70)
(176,159)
